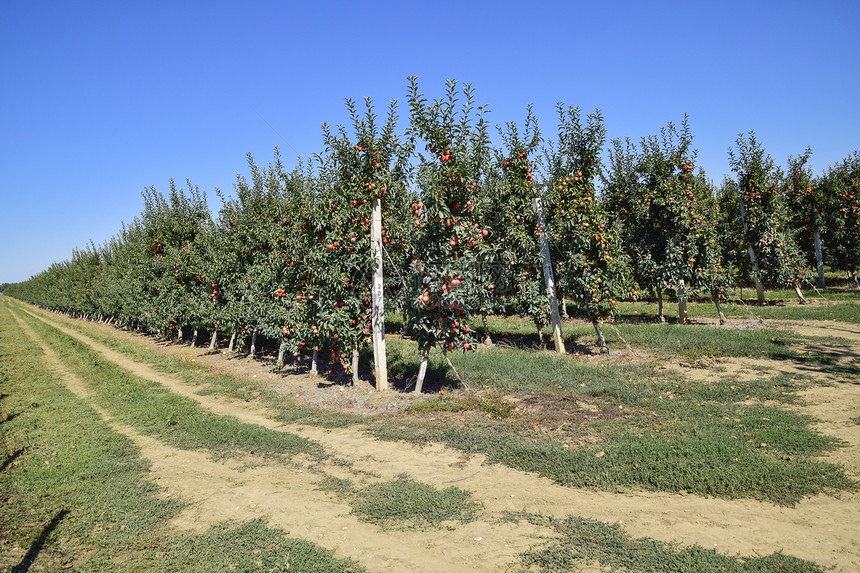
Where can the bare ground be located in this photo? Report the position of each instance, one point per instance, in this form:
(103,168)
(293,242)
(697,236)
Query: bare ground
(822,529)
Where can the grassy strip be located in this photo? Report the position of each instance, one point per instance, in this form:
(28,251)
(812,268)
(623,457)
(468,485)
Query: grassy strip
(75,494)
(669,435)
(840,306)
(248,546)
(285,409)
(405,504)
(154,410)
(655,429)
(584,540)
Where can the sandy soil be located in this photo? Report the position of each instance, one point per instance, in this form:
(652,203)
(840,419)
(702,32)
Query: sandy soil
(823,529)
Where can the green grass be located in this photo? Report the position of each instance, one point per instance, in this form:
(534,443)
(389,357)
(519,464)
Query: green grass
(405,504)
(154,410)
(493,405)
(76,494)
(780,305)
(248,546)
(655,429)
(284,409)
(582,541)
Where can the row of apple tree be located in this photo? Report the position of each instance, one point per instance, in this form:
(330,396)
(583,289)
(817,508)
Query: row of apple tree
(288,255)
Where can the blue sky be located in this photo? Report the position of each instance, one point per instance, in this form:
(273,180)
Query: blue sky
(102,99)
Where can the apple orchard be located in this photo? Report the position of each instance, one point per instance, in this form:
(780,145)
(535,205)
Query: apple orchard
(290,259)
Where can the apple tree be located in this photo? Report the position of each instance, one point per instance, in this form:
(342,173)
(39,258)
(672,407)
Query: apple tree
(449,237)
(591,266)
(774,255)
(839,190)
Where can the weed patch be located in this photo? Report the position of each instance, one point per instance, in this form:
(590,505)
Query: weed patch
(584,540)
(406,504)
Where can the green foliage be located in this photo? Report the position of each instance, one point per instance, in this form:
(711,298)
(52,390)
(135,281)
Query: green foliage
(448,240)
(514,224)
(763,214)
(355,173)
(288,258)
(590,264)
(666,211)
(838,190)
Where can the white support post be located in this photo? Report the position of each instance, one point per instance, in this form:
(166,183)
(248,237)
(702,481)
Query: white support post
(378,312)
(548,277)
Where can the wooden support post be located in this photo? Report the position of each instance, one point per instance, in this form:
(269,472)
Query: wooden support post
(548,277)
(378,313)
(601,340)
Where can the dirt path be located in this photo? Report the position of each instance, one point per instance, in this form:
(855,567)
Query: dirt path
(823,529)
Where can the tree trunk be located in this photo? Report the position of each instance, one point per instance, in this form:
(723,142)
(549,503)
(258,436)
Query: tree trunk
(488,340)
(281,353)
(660,305)
(564,307)
(178,334)
(759,288)
(194,337)
(540,335)
(404,316)
(719,309)
(856,282)
(254,343)
(601,341)
(819,258)
(800,296)
(355,355)
(213,341)
(682,302)
(422,370)
(232,345)
(314,360)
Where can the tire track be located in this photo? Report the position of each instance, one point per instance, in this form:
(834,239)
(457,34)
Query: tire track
(822,529)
